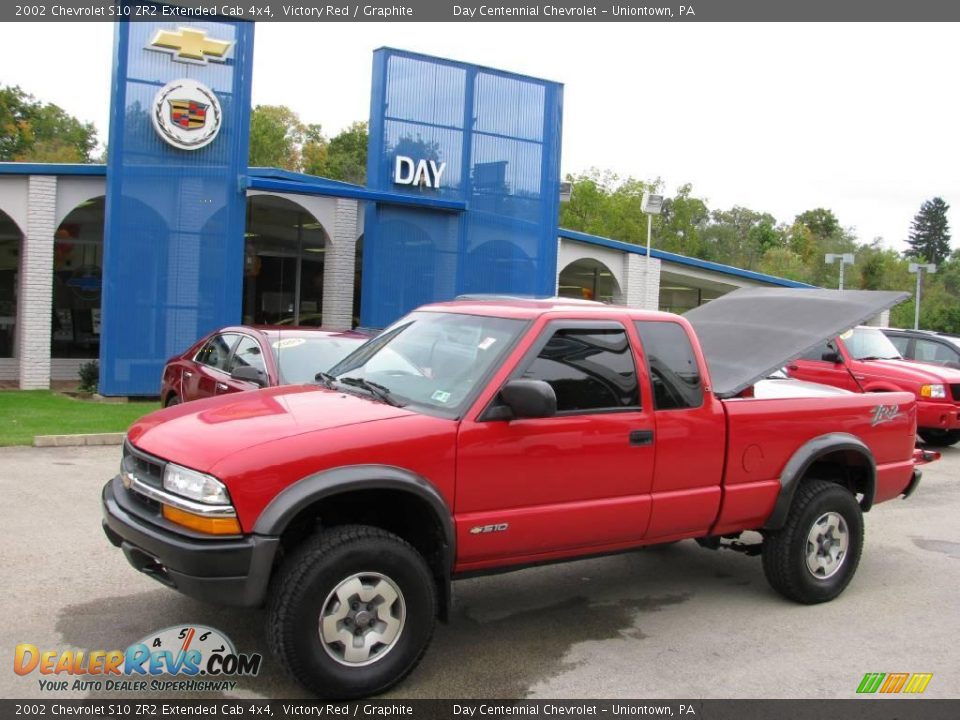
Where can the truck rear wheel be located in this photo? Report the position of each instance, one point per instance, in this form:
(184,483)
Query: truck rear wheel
(938,437)
(352,611)
(816,553)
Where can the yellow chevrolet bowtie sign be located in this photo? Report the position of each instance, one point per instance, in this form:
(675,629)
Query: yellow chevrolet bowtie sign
(191,46)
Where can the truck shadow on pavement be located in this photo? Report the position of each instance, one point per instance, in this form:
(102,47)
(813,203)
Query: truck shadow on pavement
(505,633)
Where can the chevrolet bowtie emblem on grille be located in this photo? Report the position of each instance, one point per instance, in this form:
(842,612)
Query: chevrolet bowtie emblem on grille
(190,46)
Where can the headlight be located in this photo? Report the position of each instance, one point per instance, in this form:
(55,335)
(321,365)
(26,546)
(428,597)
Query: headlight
(938,392)
(195,485)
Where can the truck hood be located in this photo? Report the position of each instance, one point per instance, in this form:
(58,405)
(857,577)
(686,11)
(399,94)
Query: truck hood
(923,373)
(200,433)
(747,334)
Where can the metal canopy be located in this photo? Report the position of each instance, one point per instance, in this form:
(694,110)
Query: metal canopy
(749,333)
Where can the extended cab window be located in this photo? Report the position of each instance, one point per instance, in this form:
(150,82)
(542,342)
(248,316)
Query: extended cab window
(672,365)
(216,352)
(589,370)
(817,352)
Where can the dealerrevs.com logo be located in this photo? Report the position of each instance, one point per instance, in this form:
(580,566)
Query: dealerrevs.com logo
(894,683)
(204,657)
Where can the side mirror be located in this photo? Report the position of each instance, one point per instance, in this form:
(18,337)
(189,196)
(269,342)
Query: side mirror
(831,356)
(249,373)
(529,398)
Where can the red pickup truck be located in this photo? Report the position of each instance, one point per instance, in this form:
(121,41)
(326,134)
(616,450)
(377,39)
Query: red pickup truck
(481,436)
(865,360)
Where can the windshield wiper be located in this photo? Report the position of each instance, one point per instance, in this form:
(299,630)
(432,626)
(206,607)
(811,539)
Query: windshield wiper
(325,378)
(877,357)
(375,389)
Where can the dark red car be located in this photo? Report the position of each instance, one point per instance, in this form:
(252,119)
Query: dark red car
(239,358)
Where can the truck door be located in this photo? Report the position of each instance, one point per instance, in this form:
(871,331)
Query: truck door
(691,434)
(824,364)
(533,489)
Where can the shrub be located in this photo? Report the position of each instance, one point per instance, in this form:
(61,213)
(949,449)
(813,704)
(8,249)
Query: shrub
(89,376)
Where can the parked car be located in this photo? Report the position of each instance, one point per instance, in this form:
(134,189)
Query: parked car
(865,360)
(477,437)
(244,357)
(926,346)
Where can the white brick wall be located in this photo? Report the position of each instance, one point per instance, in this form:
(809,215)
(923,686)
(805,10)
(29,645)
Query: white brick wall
(638,290)
(338,266)
(36,283)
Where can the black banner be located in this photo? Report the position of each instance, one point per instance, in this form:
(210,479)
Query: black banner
(493,11)
(858,709)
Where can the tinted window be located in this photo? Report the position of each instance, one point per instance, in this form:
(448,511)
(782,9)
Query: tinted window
(589,370)
(672,365)
(248,354)
(900,343)
(931,351)
(216,352)
(817,352)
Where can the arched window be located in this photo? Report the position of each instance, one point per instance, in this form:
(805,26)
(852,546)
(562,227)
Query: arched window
(78,282)
(10,245)
(589,279)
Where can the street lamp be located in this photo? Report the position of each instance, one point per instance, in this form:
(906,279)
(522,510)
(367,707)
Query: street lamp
(919,268)
(844,258)
(652,205)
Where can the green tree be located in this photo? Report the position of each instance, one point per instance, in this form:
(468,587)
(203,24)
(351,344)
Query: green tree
(344,157)
(276,137)
(32,131)
(929,233)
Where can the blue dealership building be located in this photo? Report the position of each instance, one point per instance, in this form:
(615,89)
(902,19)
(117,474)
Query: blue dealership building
(176,235)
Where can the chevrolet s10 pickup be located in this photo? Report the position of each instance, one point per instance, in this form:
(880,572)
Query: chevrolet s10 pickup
(485,435)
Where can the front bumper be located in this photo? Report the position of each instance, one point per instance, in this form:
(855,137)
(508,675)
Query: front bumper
(223,571)
(937,415)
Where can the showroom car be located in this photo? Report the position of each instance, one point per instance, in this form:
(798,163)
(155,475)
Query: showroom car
(234,359)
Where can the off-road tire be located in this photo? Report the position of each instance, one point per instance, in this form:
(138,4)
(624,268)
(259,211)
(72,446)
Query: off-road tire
(785,551)
(939,438)
(303,586)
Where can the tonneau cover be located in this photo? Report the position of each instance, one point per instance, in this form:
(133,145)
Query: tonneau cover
(749,333)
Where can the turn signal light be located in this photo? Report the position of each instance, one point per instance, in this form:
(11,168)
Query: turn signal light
(209,525)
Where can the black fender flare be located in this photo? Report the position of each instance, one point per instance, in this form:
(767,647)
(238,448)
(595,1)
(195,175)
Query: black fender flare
(804,457)
(278,514)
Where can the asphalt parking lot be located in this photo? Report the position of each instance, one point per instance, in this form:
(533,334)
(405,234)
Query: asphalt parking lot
(673,622)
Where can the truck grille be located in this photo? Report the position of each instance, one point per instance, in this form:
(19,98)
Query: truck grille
(147,469)
(955,391)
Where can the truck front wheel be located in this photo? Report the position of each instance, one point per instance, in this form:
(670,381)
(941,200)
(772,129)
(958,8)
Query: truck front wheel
(938,437)
(816,553)
(352,611)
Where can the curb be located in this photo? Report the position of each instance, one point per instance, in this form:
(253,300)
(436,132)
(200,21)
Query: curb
(78,440)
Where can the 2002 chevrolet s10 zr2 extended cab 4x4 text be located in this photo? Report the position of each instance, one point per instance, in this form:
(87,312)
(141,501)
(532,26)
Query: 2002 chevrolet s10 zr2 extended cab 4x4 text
(485,435)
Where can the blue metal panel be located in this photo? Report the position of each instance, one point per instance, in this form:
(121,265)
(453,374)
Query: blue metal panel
(499,135)
(173,241)
(19,168)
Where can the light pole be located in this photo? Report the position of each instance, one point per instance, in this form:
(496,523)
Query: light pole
(652,205)
(844,258)
(918,268)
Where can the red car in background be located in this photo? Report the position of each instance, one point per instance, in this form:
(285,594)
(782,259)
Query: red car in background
(239,358)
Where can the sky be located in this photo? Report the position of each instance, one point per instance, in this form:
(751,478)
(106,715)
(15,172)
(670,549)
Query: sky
(860,118)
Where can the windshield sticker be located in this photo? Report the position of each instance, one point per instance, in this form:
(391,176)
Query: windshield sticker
(288,343)
(441,396)
(847,335)
(487,342)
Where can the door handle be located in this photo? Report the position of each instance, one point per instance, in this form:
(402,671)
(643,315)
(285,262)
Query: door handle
(793,367)
(187,374)
(222,386)
(641,437)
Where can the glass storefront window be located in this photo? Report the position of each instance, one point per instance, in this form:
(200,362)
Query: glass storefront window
(10,239)
(78,282)
(283,264)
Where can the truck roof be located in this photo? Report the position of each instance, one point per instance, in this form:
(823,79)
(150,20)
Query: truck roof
(529,308)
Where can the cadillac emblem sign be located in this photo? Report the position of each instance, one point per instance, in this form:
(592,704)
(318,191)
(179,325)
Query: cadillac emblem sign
(187,114)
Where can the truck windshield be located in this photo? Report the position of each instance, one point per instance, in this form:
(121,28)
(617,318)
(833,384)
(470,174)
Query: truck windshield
(871,344)
(435,360)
